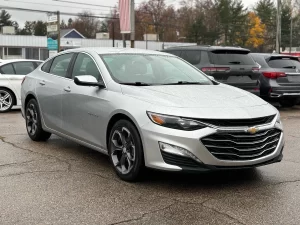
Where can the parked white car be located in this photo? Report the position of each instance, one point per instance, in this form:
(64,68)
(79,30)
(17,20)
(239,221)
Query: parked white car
(12,73)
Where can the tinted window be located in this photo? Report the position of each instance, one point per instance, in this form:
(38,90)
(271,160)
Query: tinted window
(284,63)
(231,57)
(84,65)
(46,66)
(7,69)
(23,68)
(192,57)
(60,65)
(177,53)
(260,60)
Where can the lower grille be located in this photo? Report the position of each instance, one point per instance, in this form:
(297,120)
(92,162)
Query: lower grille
(178,160)
(242,146)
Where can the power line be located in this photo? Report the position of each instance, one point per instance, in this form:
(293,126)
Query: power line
(62,13)
(83,3)
(54,5)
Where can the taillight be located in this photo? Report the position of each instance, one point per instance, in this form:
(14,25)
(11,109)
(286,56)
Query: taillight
(255,69)
(274,75)
(23,80)
(215,69)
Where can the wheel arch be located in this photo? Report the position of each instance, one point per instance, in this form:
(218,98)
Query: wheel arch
(14,95)
(119,116)
(28,98)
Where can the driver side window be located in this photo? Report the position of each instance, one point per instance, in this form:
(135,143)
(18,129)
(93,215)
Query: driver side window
(85,65)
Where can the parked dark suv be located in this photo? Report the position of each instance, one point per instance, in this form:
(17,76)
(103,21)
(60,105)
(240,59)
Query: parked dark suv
(281,78)
(230,65)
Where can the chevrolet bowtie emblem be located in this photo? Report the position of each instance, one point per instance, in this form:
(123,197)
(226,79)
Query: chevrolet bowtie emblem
(253,130)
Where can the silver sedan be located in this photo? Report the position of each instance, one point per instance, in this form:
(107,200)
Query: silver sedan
(149,109)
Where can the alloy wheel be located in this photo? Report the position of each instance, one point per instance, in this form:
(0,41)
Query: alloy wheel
(6,100)
(123,150)
(31,119)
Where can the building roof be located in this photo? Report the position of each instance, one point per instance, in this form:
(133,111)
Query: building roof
(65,32)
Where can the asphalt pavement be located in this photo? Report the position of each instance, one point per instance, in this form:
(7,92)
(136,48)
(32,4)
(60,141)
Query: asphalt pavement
(60,182)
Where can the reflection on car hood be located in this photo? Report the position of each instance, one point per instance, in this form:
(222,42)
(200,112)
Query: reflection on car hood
(194,96)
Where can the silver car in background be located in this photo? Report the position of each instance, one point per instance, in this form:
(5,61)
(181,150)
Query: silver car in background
(149,109)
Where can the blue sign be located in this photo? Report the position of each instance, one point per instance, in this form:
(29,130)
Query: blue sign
(51,44)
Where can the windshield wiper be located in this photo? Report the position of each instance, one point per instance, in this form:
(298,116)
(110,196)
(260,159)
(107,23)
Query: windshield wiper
(136,84)
(235,62)
(185,83)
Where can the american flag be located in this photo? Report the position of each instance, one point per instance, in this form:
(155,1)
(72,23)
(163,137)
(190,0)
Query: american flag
(124,9)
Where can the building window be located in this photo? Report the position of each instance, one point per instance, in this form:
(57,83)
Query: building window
(32,53)
(44,54)
(15,51)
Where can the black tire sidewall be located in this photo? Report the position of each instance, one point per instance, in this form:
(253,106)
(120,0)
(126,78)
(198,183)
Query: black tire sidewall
(40,134)
(12,96)
(139,163)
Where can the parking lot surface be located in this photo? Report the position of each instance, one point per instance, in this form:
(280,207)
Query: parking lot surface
(60,182)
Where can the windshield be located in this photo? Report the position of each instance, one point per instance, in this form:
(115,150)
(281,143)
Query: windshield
(152,70)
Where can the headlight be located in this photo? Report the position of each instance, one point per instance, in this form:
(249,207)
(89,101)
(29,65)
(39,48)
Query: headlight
(278,120)
(175,122)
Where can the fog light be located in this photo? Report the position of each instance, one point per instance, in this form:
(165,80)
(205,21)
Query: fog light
(176,150)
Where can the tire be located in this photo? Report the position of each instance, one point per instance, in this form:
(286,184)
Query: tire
(289,103)
(33,122)
(6,100)
(125,151)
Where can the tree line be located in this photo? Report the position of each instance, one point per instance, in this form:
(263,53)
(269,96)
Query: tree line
(206,22)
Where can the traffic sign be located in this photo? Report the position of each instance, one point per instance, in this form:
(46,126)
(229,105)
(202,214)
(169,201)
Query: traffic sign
(51,28)
(52,18)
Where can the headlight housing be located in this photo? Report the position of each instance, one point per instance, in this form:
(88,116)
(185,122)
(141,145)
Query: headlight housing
(175,122)
(278,120)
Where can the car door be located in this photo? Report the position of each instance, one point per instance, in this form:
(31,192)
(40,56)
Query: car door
(82,106)
(50,87)
(21,70)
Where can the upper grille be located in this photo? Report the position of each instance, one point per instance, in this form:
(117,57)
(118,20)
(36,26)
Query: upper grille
(242,146)
(238,122)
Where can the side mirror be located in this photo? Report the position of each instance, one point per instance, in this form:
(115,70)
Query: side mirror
(88,80)
(211,77)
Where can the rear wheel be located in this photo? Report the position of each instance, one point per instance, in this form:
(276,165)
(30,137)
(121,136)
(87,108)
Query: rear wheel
(6,100)
(289,102)
(33,122)
(126,151)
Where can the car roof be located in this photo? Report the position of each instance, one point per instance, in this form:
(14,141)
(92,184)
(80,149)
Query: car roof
(111,50)
(207,47)
(6,61)
(266,55)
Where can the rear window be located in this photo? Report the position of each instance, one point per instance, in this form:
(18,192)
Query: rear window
(284,63)
(231,57)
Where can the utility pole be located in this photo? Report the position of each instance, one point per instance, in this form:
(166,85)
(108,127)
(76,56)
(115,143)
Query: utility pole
(113,32)
(291,29)
(58,31)
(132,21)
(278,30)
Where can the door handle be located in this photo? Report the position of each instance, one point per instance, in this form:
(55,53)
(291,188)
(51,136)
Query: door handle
(42,82)
(67,89)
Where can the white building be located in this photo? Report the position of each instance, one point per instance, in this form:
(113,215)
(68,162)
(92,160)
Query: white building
(34,47)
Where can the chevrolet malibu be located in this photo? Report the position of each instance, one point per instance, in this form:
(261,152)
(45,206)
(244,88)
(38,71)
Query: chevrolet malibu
(149,109)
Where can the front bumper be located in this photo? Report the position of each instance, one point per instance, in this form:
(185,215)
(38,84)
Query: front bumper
(152,134)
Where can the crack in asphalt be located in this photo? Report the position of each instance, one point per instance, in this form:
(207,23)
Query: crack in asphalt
(290,135)
(32,172)
(17,163)
(144,214)
(39,153)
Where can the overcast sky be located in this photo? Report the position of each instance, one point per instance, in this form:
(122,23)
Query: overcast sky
(54,5)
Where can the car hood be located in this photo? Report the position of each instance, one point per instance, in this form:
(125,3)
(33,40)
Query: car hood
(194,96)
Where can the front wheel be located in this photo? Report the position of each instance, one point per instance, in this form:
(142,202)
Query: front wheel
(126,151)
(33,122)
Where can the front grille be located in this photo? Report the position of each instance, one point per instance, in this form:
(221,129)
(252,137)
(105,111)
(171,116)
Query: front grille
(242,146)
(238,122)
(179,160)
